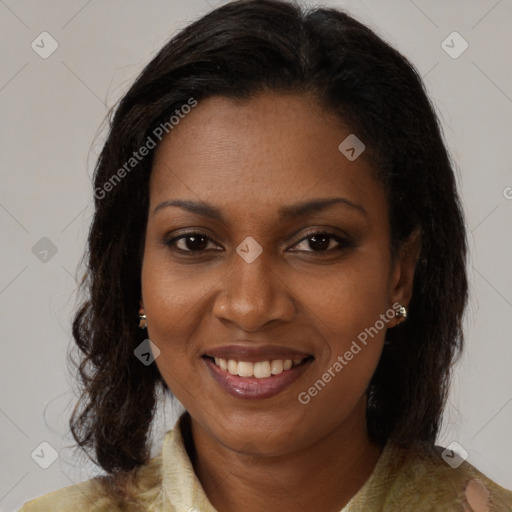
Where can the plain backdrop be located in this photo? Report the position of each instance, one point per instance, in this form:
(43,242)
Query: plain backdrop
(52,113)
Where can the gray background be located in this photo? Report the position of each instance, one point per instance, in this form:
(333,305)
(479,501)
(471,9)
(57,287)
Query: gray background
(52,113)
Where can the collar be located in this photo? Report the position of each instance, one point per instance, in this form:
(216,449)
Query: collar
(183,491)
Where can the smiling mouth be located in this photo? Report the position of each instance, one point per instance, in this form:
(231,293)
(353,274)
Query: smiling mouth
(257,370)
(256,379)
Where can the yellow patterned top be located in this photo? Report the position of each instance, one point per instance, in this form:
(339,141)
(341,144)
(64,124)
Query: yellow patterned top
(402,481)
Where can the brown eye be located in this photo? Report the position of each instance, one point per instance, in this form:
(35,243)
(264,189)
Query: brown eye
(320,242)
(324,242)
(191,242)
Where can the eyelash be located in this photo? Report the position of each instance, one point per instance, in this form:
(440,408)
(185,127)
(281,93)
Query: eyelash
(344,243)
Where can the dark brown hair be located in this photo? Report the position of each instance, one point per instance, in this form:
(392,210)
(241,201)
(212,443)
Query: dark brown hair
(236,51)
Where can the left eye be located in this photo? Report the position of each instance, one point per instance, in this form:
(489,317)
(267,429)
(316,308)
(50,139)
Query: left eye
(322,241)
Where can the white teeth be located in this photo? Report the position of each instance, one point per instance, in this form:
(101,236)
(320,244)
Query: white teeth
(245,369)
(232,367)
(276,366)
(259,370)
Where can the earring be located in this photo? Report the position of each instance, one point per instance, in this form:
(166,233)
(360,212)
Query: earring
(401,314)
(143,323)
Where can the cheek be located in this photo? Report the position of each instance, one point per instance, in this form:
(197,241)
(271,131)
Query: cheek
(170,299)
(352,297)
(352,312)
(171,293)
(178,312)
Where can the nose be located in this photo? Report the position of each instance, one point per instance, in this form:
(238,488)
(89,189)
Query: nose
(254,294)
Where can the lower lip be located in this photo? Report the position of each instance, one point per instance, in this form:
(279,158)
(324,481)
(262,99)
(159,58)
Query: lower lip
(252,388)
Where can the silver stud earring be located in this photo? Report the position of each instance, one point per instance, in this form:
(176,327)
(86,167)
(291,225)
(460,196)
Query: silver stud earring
(143,322)
(401,314)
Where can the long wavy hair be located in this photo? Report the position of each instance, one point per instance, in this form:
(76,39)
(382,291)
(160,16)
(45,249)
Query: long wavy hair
(237,51)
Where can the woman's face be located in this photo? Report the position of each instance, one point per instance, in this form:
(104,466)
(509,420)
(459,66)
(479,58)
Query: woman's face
(246,280)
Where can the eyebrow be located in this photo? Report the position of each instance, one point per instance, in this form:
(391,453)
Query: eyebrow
(284,213)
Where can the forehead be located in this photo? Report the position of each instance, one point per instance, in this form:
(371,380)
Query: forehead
(269,150)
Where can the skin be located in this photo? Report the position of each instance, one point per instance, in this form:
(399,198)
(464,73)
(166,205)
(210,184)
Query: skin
(249,158)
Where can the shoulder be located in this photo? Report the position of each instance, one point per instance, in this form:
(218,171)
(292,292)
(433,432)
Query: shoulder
(435,476)
(84,496)
(144,486)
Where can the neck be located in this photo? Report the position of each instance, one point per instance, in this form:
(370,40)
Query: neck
(320,477)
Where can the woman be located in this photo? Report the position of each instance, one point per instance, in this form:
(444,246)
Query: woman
(276,203)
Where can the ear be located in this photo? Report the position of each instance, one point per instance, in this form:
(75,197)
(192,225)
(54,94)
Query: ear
(402,272)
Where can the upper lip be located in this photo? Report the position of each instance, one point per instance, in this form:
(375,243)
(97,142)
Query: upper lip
(251,353)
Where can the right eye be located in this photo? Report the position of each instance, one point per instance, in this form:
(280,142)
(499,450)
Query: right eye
(190,242)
